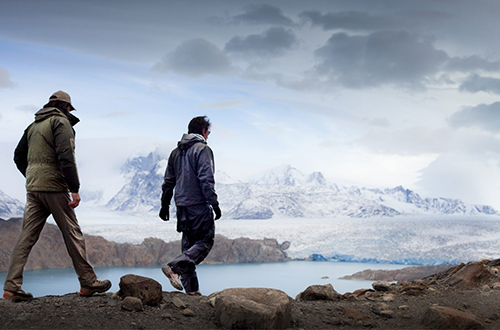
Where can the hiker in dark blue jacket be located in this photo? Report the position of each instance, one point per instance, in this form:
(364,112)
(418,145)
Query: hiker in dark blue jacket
(190,170)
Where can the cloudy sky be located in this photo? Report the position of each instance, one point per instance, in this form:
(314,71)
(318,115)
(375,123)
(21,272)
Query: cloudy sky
(371,93)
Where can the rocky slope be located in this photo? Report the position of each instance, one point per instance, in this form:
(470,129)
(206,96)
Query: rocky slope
(466,296)
(50,251)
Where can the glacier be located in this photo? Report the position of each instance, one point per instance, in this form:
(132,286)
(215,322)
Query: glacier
(417,240)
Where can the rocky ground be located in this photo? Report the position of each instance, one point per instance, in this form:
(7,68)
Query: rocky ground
(464,296)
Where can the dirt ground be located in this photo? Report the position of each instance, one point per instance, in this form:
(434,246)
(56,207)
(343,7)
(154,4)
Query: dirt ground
(104,312)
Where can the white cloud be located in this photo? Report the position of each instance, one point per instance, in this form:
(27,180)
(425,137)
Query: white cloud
(475,180)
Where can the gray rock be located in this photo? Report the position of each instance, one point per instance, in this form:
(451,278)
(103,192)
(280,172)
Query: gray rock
(188,312)
(381,286)
(178,303)
(144,288)
(132,304)
(440,317)
(318,292)
(253,308)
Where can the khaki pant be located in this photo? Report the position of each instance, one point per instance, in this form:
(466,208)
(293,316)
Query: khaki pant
(39,206)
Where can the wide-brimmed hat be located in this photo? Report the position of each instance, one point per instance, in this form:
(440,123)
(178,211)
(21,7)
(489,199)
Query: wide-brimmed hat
(61,96)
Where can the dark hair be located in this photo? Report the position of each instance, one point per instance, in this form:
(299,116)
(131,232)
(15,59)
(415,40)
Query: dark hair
(61,105)
(197,124)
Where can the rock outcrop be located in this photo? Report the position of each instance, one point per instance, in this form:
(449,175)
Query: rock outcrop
(253,308)
(50,251)
(146,289)
(319,292)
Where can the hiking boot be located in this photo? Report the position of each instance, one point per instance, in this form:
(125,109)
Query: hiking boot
(96,287)
(17,296)
(174,278)
(194,293)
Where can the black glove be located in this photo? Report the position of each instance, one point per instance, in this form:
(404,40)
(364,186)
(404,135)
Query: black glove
(218,212)
(164,213)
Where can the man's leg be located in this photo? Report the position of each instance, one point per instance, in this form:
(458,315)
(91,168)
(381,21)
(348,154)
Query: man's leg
(66,220)
(194,255)
(35,215)
(197,241)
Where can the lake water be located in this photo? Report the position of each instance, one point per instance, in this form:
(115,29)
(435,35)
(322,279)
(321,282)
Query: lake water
(292,277)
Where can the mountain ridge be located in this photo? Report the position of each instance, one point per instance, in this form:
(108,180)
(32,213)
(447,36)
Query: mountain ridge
(287,192)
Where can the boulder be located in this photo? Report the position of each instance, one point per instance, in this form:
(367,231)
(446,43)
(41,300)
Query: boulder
(319,292)
(440,317)
(144,288)
(253,308)
(132,304)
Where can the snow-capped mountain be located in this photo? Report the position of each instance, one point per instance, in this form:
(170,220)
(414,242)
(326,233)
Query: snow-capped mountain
(286,192)
(10,207)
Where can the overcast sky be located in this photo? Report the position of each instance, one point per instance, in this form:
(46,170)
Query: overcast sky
(372,93)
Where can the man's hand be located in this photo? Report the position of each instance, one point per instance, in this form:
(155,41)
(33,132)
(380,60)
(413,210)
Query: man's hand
(218,212)
(75,200)
(164,213)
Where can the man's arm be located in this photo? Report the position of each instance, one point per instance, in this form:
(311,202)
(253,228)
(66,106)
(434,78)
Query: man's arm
(167,189)
(64,140)
(21,154)
(206,169)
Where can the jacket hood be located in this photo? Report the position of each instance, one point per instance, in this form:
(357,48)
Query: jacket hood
(188,140)
(45,113)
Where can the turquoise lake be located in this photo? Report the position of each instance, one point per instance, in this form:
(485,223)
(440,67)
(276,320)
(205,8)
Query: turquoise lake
(291,277)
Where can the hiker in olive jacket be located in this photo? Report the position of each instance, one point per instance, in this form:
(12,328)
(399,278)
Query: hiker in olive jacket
(190,170)
(45,156)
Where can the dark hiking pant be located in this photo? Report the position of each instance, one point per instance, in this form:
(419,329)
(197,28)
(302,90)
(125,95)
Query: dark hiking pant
(196,223)
(39,206)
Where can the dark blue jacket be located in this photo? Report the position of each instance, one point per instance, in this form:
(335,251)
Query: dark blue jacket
(190,170)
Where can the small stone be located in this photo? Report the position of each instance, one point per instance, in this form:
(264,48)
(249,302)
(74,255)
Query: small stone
(404,307)
(132,304)
(388,297)
(387,314)
(167,316)
(487,320)
(496,286)
(178,303)
(485,287)
(188,312)
(57,305)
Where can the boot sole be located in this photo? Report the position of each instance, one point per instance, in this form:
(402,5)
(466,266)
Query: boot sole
(175,284)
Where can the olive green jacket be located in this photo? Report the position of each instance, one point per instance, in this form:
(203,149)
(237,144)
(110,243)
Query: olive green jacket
(45,154)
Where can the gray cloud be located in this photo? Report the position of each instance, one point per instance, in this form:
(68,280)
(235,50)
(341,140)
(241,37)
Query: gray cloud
(5,81)
(380,58)
(483,116)
(195,57)
(272,42)
(262,14)
(349,20)
(476,83)
(471,63)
